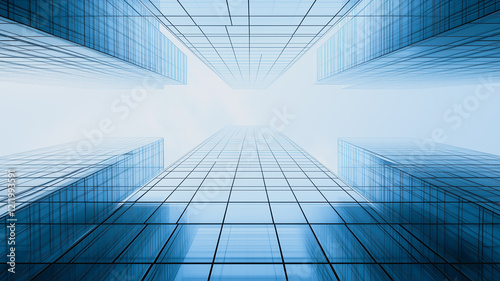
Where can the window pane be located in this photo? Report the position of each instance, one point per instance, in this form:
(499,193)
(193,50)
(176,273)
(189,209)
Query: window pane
(248,272)
(249,244)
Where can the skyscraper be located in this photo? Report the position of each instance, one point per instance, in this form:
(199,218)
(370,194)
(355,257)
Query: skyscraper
(90,39)
(57,194)
(249,44)
(248,204)
(381,42)
(446,197)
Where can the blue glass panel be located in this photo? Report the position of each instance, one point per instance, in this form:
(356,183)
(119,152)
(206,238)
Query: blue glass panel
(312,272)
(248,196)
(248,272)
(179,272)
(309,196)
(340,244)
(370,272)
(353,213)
(287,213)
(167,213)
(281,195)
(136,213)
(94,272)
(147,245)
(320,213)
(248,213)
(191,243)
(102,244)
(248,244)
(204,213)
(299,245)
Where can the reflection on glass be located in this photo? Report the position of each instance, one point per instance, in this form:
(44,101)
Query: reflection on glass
(191,243)
(248,272)
(299,244)
(320,213)
(204,213)
(340,244)
(145,248)
(310,272)
(248,213)
(287,213)
(248,244)
(179,272)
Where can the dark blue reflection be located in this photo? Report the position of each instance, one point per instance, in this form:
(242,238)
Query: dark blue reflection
(167,213)
(353,213)
(340,244)
(248,272)
(431,272)
(191,243)
(133,213)
(178,272)
(147,245)
(93,272)
(104,244)
(368,272)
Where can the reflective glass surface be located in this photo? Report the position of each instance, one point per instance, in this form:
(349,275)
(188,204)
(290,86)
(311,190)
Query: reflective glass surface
(394,42)
(249,204)
(95,40)
(64,192)
(442,196)
(249,44)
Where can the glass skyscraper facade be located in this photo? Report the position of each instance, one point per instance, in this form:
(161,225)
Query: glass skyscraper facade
(249,44)
(64,191)
(393,41)
(249,204)
(87,38)
(447,197)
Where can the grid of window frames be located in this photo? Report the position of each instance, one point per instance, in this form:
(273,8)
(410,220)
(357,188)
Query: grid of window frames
(61,191)
(445,196)
(248,204)
(105,37)
(249,44)
(390,41)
